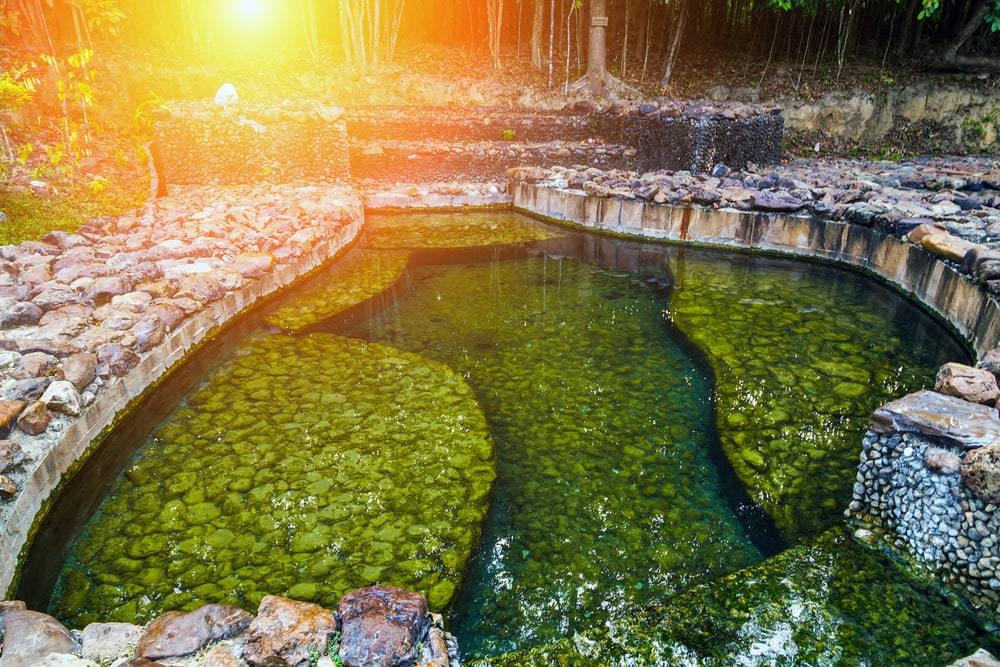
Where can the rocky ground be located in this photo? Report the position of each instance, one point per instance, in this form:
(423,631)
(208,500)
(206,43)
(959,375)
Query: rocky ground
(79,310)
(378,625)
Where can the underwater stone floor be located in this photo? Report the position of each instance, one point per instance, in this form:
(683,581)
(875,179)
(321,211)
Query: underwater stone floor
(661,424)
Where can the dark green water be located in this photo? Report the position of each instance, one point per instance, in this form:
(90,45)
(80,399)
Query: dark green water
(585,372)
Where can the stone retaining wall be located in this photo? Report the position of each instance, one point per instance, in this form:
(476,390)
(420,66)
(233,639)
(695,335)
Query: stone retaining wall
(697,142)
(205,143)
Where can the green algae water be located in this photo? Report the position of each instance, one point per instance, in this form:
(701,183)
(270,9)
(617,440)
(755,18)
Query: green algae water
(607,496)
(801,355)
(827,603)
(303,466)
(628,398)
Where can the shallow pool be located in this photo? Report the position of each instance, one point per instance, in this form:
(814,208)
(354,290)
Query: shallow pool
(546,432)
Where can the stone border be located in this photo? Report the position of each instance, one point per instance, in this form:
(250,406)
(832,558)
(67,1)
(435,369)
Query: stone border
(973,313)
(115,399)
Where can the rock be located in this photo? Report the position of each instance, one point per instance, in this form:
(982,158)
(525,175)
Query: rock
(80,369)
(919,233)
(285,630)
(938,416)
(20,314)
(942,461)
(720,171)
(35,419)
(253,264)
(381,625)
(29,636)
(9,412)
(11,455)
(62,396)
(171,316)
(981,658)
(64,660)
(38,364)
(202,289)
(27,390)
(177,634)
(991,362)
(221,657)
(149,332)
(103,642)
(966,382)
(947,245)
(7,487)
(107,287)
(113,359)
(777,202)
(981,472)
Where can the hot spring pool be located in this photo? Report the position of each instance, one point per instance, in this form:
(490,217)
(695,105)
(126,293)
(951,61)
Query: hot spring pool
(545,432)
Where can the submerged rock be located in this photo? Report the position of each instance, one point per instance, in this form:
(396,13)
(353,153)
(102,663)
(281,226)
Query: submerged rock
(287,632)
(381,626)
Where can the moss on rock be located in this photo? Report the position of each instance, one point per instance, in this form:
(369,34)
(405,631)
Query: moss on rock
(829,602)
(353,280)
(454,230)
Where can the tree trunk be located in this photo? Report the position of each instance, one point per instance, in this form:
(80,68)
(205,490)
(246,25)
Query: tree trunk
(907,29)
(597,47)
(536,34)
(675,43)
(975,21)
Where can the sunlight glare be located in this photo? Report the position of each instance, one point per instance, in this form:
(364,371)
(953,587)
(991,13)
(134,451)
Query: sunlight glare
(249,11)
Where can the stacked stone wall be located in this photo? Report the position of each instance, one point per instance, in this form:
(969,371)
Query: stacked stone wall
(205,143)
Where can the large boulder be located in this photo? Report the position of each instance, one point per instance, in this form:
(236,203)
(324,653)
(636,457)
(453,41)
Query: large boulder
(981,472)
(177,634)
(29,636)
(381,626)
(938,416)
(285,632)
(972,384)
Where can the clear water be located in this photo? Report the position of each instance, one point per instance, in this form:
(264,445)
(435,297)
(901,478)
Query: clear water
(635,400)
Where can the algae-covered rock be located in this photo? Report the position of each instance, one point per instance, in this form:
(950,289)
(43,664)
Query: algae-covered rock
(454,230)
(352,280)
(802,356)
(829,602)
(296,466)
